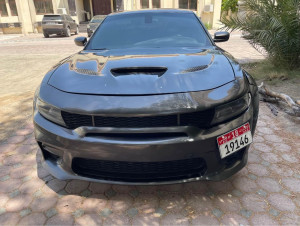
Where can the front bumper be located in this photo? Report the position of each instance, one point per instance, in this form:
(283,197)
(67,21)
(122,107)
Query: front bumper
(60,146)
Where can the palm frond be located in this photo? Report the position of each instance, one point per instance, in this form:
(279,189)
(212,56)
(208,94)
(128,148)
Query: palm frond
(272,26)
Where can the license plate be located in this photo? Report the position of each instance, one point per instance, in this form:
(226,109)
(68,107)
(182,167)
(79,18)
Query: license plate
(51,22)
(234,140)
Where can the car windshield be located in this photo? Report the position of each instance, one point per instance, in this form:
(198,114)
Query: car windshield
(149,30)
(97,19)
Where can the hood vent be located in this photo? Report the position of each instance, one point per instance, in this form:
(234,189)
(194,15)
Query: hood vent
(158,71)
(193,69)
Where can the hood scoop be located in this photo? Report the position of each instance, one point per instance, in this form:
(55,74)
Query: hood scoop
(158,71)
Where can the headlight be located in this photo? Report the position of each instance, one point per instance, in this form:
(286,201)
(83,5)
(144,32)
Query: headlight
(50,112)
(35,97)
(232,109)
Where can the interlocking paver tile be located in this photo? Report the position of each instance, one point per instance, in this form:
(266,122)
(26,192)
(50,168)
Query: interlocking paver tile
(94,203)
(262,219)
(269,184)
(144,219)
(245,184)
(266,191)
(33,219)
(281,202)
(9,218)
(234,220)
(227,203)
(69,203)
(61,219)
(271,157)
(200,203)
(173,203)
(204,220)
(43,203)
(175,219)
(290,219)
(31,186)
(116,219)
(120,203)
(254,203)
(15,139)
(10,185)
(76,186)
(281,169)
(56,185)
(89,219)
(146,203)
(258,169)
(99,188)
(292,184)
(18,203)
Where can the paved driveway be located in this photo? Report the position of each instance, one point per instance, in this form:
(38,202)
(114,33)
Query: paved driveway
(266,192)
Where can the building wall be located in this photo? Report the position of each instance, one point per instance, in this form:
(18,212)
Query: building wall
(30,21)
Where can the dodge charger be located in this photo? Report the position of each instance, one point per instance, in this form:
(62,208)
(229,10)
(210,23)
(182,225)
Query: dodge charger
(151,99)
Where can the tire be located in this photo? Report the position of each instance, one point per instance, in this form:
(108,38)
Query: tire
(68,32)
(46,35)
(77,31)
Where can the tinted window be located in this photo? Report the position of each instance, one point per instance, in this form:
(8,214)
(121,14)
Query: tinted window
(52,17)
(149,30)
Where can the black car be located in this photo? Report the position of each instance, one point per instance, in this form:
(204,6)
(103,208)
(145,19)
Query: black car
(60,24)
(94,23)
(149,100)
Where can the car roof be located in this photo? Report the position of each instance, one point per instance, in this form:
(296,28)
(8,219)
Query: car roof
(152,11)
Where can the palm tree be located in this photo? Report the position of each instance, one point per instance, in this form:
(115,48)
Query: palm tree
(273,26)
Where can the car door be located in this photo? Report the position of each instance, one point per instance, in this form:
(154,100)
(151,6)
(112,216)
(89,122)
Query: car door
(72,23)
(65,21)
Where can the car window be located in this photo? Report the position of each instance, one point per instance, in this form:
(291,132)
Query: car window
(52,17)
(149,30)
(69,18)
(97,19)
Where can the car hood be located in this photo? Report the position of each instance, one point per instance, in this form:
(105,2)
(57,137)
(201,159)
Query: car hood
(142,71)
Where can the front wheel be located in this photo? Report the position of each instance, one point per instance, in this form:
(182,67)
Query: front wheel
(68,32)
(46,35)
(77,31)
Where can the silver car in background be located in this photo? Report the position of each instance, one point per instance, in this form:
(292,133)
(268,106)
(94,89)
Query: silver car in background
(60,24)
(94,23)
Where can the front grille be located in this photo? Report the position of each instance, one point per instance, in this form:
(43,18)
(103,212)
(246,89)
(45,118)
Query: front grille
(136,122)
(199,119)
(139,171)
(75,120)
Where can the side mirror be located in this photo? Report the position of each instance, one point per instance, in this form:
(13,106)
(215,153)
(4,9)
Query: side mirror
(221,36)
(80,41)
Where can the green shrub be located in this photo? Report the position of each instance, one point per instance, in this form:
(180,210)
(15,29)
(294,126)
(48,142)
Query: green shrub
(231,5)
(273,25)
(208,26)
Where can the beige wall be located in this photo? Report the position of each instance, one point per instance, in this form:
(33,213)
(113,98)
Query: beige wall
(27,15)
(79,11)
(211,18)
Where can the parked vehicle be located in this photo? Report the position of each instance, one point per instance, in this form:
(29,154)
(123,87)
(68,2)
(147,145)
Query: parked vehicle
(59,24)
(94,23)
(149,100)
